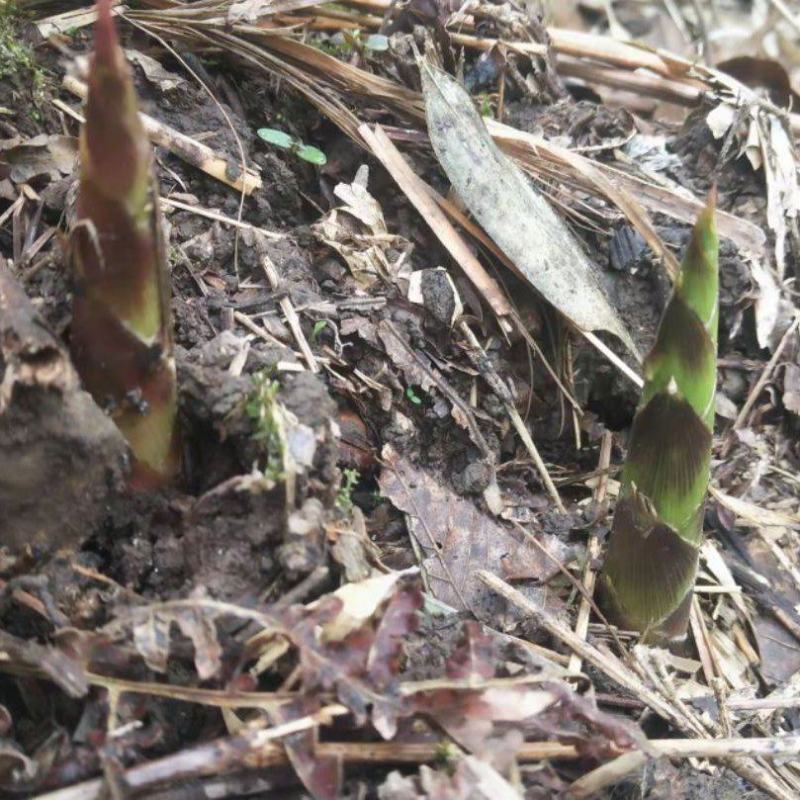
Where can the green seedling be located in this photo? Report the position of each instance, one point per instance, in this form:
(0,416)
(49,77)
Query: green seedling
(413,396)
(344,497)
(261,410)
(286,142)
(319,326)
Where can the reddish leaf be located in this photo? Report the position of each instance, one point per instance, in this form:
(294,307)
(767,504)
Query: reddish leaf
(474,658)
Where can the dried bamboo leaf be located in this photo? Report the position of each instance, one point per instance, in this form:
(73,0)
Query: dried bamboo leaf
(519,220)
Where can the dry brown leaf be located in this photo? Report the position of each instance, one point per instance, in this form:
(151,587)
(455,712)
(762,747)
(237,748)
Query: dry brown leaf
(464,535)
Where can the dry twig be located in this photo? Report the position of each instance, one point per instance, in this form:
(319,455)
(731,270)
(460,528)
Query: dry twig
(190,150)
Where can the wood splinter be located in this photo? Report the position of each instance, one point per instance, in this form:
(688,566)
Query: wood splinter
(185,147)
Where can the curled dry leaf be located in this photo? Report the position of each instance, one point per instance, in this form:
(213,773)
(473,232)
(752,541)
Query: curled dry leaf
(151,635)
(357,231)
(359,602)
(155,73)
(359,656)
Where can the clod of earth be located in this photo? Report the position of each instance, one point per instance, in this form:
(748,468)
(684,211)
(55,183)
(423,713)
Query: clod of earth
(57,449)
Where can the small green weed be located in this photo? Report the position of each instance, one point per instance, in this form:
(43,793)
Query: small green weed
(17,60)
(413,396)
(344,498)
(284,140)
(261,410)
(319,326)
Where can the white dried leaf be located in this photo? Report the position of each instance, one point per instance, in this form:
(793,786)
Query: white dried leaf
(752,147)
(767,302)
(783,192)
(511,211)
(360,602)
(360,203)
(720,119)
(155,72)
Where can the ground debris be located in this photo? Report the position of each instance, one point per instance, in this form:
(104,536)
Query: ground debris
(377,578)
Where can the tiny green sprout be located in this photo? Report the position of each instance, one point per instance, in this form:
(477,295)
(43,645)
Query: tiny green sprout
(344,497)
(311,154)
(276,137)
(413,396)
(377,42)
(447,753)
(261,410)
(283,140)
(486,106)
(319,326)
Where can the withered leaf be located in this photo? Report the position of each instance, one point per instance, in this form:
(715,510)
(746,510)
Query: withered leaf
(465,537)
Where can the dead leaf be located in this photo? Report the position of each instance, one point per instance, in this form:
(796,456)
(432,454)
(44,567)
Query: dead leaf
(474,657)
(455,536)
(360,203)
(359,602)
(151,635)
(400,617)
(357,231)
(783,190)
(767,304)
(511,211)
(720,119)
(42,156)
(164,80)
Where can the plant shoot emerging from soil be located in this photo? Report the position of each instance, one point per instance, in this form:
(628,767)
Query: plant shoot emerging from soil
(344,497)
(121,337)
(653,550)
(261,408)
(286,142)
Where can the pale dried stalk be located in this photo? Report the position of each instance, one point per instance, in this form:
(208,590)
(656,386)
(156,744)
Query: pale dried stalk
(292,319)
(592,551)
(391,158)
(611,772)
(624,677)
(190,150)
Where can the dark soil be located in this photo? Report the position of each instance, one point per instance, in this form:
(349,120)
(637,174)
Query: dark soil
(238,541)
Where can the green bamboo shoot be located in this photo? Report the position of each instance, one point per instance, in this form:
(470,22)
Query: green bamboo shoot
(650,568)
